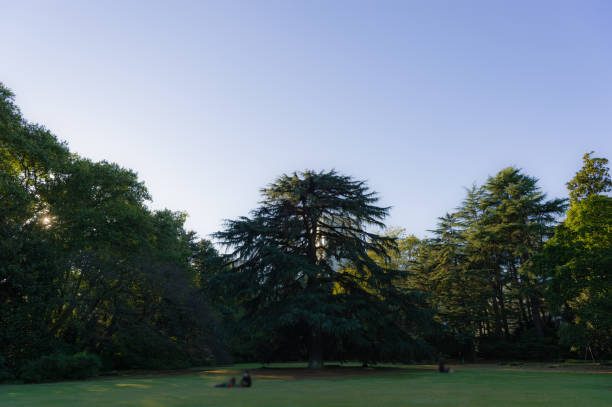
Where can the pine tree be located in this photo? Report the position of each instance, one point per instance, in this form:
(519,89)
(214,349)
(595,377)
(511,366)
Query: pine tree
(305,260)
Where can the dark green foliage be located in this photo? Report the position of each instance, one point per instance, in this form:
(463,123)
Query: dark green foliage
(305,263)
(60,366)
(479,274)
(137,346)
(29,155)
(509,282)
(525,346)
(5,374)
(86,265)
(513,224)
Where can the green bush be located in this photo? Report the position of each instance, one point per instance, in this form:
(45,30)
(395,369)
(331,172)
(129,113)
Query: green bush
(60,366)
(526,346)
(5,373)
(143,348)
(46,368)
(530,347)
(82,365)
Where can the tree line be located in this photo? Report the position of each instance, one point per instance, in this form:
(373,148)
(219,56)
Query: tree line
(311,274)
(85,265)
(508,280)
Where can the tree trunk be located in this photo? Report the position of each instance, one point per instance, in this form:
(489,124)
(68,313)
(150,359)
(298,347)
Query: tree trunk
(537,322)
(502,308)
(498,325)
(498,307)
(504,316)
(524,318)
(315,359)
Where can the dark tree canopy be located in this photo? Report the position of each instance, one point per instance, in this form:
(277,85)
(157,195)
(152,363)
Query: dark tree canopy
(305,260)
(85,265)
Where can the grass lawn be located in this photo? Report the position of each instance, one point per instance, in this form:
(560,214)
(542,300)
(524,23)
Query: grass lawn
(285,385)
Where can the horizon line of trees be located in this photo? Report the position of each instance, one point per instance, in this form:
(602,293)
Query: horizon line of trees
(86,266)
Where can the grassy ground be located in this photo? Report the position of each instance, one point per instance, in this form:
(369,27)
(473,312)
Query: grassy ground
(287,385)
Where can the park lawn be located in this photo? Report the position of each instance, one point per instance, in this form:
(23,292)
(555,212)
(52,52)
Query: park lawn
(408,386)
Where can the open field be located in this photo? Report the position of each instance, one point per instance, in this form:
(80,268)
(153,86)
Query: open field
(290,385)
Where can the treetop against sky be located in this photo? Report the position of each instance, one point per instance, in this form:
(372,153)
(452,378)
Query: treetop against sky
(210,101)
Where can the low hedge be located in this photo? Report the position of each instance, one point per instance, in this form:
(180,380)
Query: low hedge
(61,366)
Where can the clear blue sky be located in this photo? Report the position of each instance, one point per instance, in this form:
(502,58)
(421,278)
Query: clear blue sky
(210,101)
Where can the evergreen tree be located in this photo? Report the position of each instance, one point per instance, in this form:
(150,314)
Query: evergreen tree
(515,221)
(304,262)
(477,269)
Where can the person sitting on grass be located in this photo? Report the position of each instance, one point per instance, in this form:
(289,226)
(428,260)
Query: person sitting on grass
(443,369)
(230,383)
(246,379)
(245,382)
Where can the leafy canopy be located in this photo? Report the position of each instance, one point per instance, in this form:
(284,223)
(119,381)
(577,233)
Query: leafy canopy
(592,179)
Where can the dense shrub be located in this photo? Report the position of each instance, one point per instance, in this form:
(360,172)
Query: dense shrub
(60,366)
(5,373)
(141,347)
(526,346)
(491,347)
(530,347)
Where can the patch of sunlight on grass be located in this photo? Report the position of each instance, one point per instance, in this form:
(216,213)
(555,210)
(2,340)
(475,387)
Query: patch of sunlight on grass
(138,386)
(94,388)
(219,371)
(275,377)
